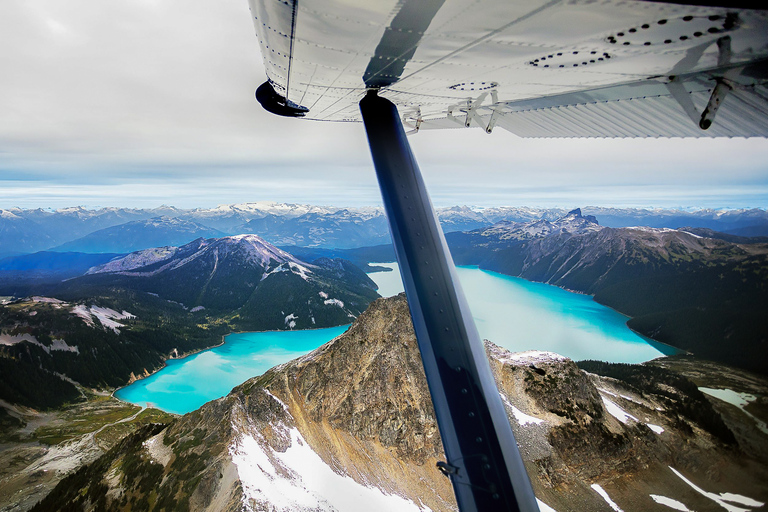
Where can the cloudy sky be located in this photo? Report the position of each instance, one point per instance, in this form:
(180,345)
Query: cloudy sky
(148,102)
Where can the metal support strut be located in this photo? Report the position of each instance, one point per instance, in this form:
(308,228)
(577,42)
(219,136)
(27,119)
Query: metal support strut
(484,463)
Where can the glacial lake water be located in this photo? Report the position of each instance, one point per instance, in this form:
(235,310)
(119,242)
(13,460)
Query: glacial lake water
(186,384)
(511,312)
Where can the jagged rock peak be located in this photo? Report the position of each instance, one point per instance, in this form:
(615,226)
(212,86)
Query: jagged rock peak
(575,215)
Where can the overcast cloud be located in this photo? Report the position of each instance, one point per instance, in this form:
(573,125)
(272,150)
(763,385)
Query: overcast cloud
(145,102)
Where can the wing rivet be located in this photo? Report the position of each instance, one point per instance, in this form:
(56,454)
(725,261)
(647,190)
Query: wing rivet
(662,22)
(645,26)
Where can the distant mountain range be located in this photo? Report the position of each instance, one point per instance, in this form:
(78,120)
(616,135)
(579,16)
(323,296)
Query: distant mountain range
(698,293)
(79,229)
(351,426)
(140,234)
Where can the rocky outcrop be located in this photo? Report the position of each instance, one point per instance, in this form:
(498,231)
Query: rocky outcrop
(350,426)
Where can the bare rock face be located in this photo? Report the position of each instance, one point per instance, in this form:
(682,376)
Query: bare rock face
(350,426)
(369,382)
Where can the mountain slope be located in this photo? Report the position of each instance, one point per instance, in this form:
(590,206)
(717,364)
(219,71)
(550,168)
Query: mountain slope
(243,278)
(140,234)
(351,423)
(701,294)
(49,346)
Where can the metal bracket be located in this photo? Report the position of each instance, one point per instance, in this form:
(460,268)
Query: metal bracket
(447,469)
(471,111)
(683,98)
(414,126)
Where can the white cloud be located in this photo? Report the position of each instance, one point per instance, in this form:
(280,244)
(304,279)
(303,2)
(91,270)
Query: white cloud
(124,102)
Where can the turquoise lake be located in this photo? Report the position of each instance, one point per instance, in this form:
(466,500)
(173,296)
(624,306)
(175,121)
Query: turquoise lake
(511,312)
(186,384)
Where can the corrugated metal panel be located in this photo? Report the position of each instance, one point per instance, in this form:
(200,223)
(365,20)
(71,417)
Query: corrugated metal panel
(744,113)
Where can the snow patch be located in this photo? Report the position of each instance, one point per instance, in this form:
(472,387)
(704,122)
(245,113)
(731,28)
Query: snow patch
(135,260)
(617,412)
(285,407)
(12,339)
(599,490)
(105,316)
(323,295)
(196,309)
(669,502)
(657,429)
(531,356)
(740,400)
(290,266)
(543,507)
(335,302)
(81,310)
(723,498)
(298,479)
(522,418)
(47,300)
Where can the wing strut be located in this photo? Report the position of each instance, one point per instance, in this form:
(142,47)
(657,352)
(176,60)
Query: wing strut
(484,463)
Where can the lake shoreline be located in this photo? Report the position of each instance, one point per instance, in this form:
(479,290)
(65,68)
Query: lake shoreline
(200,350)
(169,398)
(678,350)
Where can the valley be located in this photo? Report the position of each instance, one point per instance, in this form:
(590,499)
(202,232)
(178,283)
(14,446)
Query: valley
(680,431)
(637,445)
(704,295)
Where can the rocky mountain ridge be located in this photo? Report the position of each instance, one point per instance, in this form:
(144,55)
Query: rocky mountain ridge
(25,231)
(140,234)
(351,423)
(685,289)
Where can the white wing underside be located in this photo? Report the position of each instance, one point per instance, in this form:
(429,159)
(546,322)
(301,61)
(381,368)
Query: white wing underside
(581,68)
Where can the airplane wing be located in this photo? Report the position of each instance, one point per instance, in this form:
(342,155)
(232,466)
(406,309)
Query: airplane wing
(557,68)
(579,68)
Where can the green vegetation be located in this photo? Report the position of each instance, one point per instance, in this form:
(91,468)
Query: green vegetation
(85,489)
(29,372)
(680,396)
(111,434)
(709,300)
